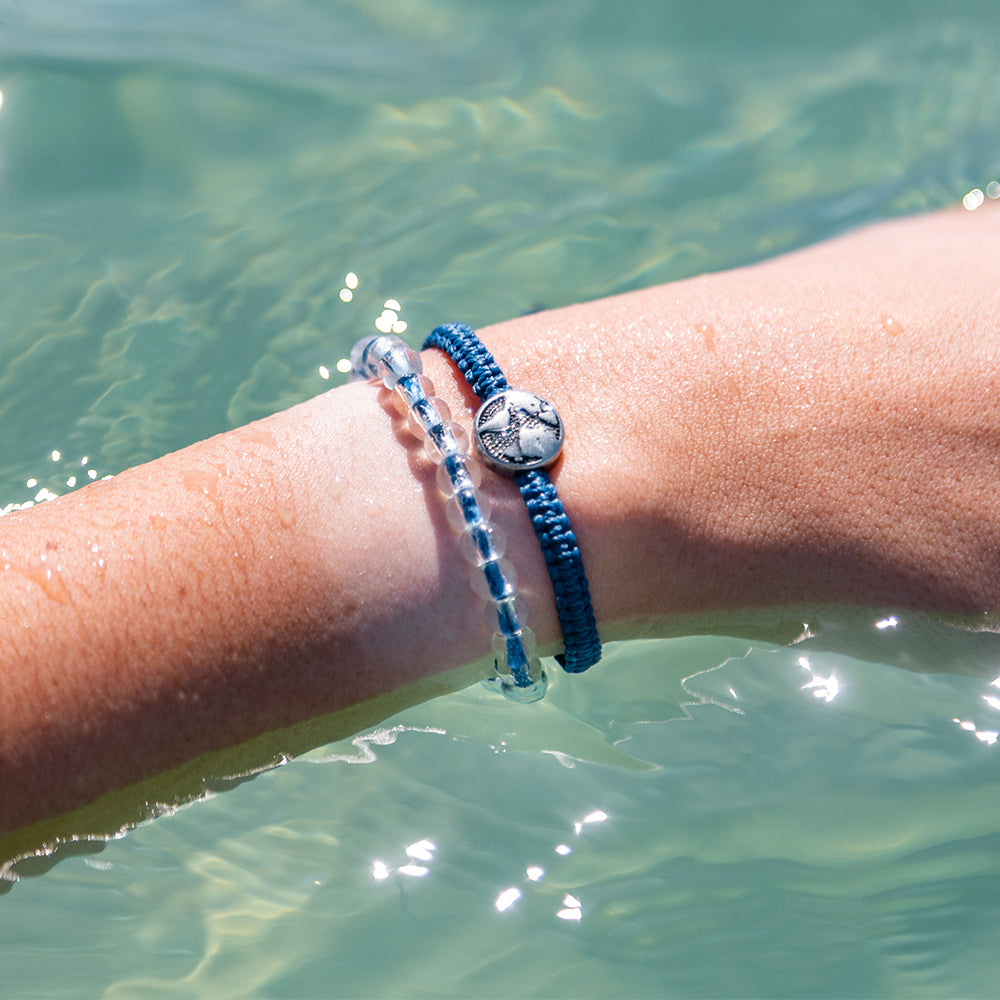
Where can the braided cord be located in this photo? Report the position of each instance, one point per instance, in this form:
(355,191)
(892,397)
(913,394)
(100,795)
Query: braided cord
(581,642)
(472,359)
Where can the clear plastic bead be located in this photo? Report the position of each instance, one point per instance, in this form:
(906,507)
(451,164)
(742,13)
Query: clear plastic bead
(466,507)
(409,389)
(512,652)
(426,414)
(458,472)
(482,543)
(359,358)
(393,362)
(525,693)
(495,580)
(518,671)
(507,616)
(445,440)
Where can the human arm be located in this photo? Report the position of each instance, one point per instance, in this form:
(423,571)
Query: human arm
(820,429)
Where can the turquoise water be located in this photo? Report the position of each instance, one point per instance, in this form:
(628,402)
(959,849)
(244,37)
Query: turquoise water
(184,188)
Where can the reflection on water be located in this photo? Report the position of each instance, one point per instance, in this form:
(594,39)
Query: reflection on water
(693,799)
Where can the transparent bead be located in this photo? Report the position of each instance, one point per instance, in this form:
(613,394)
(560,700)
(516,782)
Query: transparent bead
(482,543)
(507,616)
(495,580)
(359,359)
(466,507)
(426,414)
(445,440)
(525,693)
(518,671)
(393,361)
(409,389)
(458,472)
(514,652)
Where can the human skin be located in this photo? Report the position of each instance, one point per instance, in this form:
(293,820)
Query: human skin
(820,429)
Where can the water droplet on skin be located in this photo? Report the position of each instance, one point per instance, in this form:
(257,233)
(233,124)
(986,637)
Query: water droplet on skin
(47,579)
(708,335)
(891,325)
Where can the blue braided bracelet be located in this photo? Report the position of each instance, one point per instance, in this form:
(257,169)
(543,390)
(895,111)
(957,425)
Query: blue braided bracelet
(518,433)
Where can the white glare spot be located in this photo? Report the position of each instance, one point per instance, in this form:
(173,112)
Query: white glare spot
(383,325)
(535,873)
(379,871)
(987,736)
(91,473)
(569,900)
(391,304)
(992,701)
(803,662)
(344,366)
(969,727)
(324,372)
(507,898)
(993,189)
(399,326)
(56,455)
(45,494)
(32,483)
(416,871)
(563,849)
(973,199)
(891,622)
(826,688)
(351,279)
(422,850)
(570,913)
(1,98)
(597,816)
(346,295)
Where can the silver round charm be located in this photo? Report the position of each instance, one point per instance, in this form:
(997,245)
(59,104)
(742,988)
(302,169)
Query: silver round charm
(516,431)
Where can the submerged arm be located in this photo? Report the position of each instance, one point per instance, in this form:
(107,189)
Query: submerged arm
(822,428)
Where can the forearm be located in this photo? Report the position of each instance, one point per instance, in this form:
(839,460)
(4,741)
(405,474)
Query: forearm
(738,441)
(820,428)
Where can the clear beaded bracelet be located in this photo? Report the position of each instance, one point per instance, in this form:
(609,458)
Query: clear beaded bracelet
(517,669)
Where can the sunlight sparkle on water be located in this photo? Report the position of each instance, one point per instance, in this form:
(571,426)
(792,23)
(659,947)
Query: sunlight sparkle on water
(824,688)
(422,850)
(572,908)
(597,816)
(414,871)
(973,199)
(987,736)
(507,898)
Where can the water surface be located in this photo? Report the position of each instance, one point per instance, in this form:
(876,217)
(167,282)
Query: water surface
(184,188)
